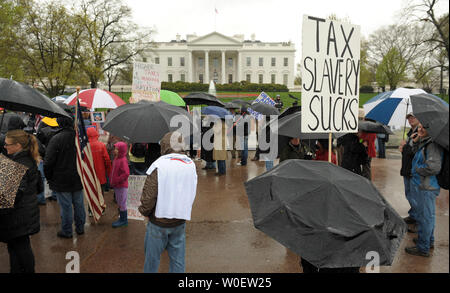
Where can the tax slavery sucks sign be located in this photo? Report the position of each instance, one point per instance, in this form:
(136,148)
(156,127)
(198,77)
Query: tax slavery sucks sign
(330,75)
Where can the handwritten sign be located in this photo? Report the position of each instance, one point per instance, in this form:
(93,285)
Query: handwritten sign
(135,186)
(262,98)
(330,75)
(146,82)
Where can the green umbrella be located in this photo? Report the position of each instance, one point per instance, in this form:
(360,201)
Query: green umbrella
(172,98)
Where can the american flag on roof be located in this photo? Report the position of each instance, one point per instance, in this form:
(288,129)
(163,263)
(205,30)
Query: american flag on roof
(85,167)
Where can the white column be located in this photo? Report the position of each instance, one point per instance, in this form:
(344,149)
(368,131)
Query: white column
(190,66)
(206,66)
(224,78)
(238,77)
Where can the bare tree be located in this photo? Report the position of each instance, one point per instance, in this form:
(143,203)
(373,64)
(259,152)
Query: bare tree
(107,25)
(434,16)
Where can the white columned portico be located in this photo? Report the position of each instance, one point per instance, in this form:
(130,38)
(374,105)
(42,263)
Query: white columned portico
(190,67)
(224,79)
(206,67)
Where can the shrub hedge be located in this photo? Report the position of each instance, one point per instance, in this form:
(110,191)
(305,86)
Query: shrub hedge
(243,86)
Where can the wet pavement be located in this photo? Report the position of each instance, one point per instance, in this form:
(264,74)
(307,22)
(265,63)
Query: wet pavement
(220,238)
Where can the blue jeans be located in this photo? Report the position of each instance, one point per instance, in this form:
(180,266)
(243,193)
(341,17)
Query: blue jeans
(244,152)
(426,216)
(222,166)
(41,196)
(157,239)
(211,165)
(269,165)
(410,197)
(68,201)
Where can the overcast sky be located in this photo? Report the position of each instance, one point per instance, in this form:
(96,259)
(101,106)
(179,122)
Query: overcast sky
(269,20)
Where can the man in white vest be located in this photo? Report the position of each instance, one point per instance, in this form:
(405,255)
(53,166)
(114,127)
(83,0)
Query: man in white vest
(167,198)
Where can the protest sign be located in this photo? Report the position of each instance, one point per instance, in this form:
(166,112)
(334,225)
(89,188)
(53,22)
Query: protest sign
(262,98)
(146,82)
(135,186)
(330,75)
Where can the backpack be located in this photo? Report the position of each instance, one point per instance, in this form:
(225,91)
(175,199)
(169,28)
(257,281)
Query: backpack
(138,149)
(443,176)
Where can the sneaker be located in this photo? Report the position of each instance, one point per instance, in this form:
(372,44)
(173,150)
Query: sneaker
(80,232)
(62,235)
(416,239)
(415,251)
(408,220)
(240,164)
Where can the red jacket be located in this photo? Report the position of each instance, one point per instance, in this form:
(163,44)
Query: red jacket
(370,138)
(102,162)
(322,155)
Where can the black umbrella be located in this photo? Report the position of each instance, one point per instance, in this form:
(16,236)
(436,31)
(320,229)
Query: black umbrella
(202,99)
(290,110)
(145,122)
(18,96)
(432,112)
(242,102)
(232,105)
(290,125)
(264,109)
(328,215)
(373,127)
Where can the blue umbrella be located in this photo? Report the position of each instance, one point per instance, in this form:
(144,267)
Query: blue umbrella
(390,108)
(217,111)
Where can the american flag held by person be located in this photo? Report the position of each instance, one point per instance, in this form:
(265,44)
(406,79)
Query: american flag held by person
(85,167)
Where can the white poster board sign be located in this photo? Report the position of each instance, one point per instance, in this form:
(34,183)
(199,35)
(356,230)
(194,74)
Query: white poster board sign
(330,75)
(135,186)
(262,98)
(146,82)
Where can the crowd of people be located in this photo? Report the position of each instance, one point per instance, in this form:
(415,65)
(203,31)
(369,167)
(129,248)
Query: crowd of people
(50,154)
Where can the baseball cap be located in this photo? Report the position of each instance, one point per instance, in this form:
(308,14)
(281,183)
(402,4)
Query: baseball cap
(409,115)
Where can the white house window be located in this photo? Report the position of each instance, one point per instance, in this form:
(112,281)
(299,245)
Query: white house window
(216,63)
(286,61)
(169,61)
(156,60)
(144,59)
(260,78)
(200,62)
(183,77)
(273,61)
(181,61)
(285,79)
(272,78)
(261,61)
(248,78)
(249,61)
(230,78)
(170,78)
(230,62)
(200,78)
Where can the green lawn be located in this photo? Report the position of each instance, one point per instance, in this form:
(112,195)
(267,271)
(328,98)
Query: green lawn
(287,101)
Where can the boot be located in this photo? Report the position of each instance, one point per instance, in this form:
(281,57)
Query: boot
(123,221)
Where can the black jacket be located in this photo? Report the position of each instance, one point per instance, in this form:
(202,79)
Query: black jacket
(24,218)
(407,155)
(60,165)
(355,153)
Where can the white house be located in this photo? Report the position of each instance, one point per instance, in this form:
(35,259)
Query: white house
(223,59)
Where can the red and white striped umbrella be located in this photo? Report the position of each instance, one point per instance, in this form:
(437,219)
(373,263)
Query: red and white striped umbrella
(96,98)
